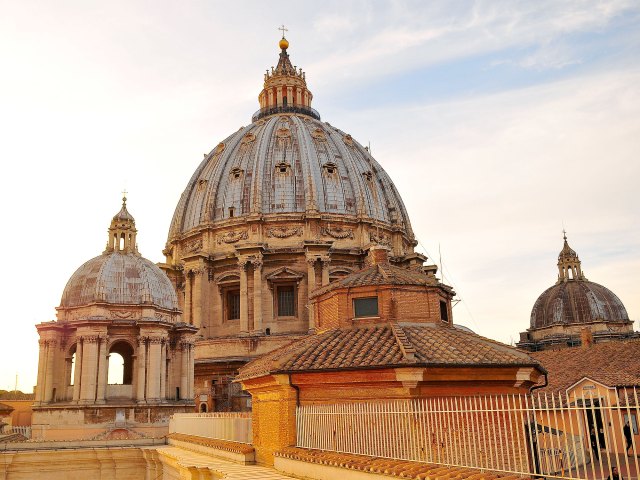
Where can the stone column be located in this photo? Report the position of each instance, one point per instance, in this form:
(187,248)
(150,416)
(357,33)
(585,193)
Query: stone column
(89,369)
(41,370)
(326,261)
(192,352)
(244,294)
(257,296)
(188,315)
(103,370)
(153,373)
(184,369)
(77,373)
(163,371)
(49,370)
(196,297)
(141,360)
(311,285)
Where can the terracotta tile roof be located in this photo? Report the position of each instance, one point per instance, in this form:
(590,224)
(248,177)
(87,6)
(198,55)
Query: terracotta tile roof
(5,408)
(380,274)
(386,345)
(16,396)
(614,364)
(388,466)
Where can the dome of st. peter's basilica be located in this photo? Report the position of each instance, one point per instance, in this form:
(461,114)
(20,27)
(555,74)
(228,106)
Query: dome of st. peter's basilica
(280,207)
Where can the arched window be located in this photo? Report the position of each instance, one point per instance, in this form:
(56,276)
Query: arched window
(120,369)
(71,370)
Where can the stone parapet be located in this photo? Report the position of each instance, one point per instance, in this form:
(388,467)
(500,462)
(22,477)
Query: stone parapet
(321,465)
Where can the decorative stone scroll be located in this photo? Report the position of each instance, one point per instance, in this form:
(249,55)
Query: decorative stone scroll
(338,233)
(284,232)
(283,133)
(233,237)
(123,314)
(381,238)
(193,246)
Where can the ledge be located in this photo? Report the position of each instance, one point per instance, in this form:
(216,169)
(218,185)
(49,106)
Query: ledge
(233,451)
(321,465)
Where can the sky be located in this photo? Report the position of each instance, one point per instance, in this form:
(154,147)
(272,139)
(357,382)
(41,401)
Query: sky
(500,122)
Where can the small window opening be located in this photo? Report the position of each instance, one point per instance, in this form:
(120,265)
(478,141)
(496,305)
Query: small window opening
(570,273)
(267,331)
(177,393)
(284,101)
(232,212)
(72,370)
(365,307)
(286,301)
(203,408)
(233,304)
(444,311)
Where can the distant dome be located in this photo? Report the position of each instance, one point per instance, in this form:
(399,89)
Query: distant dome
(119,278)
(574,299)
(577,302)
(284,164)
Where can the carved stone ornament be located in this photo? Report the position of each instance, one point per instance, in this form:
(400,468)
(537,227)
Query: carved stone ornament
(123,314)
(219,149)
(381,238)
(338,232)
(233,237)
(248,138)
(319,134)
(161,316)
(156,340)
(348,140)
(284,232)
(193,246)
(283,133)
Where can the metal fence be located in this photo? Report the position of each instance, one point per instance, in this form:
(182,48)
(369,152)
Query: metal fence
(572,437)
(231,426)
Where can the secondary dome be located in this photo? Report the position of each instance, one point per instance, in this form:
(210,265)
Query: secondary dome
(120,275)
(574,299)
(576,302)
(575,307)
(119,278)
(288,162)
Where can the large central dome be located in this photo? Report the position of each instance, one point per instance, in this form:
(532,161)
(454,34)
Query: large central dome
(288,163)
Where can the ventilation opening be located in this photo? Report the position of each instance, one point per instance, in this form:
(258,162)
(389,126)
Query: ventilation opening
(267,331)
(444,312)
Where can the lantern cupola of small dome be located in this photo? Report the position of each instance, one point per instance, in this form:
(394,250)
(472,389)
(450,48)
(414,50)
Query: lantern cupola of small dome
(569,263)
(122,231)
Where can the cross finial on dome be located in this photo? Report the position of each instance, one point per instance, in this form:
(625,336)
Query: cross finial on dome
(283,30)
(564,234)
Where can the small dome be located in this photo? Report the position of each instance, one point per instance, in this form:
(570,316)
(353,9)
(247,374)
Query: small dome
(119,278)
(577,302)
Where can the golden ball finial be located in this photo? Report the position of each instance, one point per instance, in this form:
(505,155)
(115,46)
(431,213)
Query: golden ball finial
(284,43)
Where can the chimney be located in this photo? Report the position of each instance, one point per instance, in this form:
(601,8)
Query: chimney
(586,337)
(379,254)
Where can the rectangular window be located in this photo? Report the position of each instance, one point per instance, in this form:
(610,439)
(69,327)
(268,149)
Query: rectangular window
(286,301)
(233,304)
(365,307)
(444,312)
(633,422)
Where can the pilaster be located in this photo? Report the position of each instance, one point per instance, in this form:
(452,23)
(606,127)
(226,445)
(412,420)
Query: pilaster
(257,295)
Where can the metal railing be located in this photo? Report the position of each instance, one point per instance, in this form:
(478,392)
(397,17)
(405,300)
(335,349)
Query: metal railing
(24,431)
(231,426)
(264,112)
(532,435)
